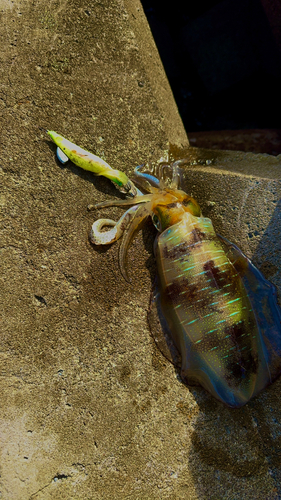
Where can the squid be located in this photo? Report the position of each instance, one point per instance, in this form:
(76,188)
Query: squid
(212,312)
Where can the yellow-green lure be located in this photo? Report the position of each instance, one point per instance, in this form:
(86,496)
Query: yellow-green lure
(89,161)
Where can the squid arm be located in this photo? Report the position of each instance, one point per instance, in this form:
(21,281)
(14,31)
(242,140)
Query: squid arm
(127,226)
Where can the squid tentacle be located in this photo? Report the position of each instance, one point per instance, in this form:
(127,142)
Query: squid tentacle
(156,176)
(162,167)
(140,216)
(131,222)
(176,179)
(122,203)
(105,238)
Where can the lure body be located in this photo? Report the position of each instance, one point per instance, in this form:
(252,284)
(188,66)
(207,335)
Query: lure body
(91,162)
(220,313)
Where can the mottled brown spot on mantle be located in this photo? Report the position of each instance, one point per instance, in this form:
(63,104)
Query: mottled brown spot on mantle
(177,251)
(172,292)
(212,273)
(222,276)
(244,359)
(197,235)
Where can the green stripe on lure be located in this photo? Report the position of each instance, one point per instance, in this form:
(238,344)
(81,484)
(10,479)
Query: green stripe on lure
(219,315)
(88,161)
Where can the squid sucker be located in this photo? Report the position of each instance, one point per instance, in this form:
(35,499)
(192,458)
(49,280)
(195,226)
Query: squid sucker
(219,313)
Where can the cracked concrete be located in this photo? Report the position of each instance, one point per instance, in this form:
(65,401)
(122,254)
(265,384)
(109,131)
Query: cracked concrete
(89,407)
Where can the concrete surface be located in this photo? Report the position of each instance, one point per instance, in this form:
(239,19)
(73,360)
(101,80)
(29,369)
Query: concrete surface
(89,408)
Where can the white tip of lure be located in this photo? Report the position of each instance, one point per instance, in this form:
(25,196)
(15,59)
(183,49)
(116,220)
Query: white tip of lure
(61,156)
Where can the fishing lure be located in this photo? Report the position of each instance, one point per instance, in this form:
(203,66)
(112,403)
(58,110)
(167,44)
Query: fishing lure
(218,313)
(88,161)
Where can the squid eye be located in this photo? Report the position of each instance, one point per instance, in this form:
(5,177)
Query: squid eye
(156,222)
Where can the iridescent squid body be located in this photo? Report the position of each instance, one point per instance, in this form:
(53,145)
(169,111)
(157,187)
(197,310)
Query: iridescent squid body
(216,308)
(209,310)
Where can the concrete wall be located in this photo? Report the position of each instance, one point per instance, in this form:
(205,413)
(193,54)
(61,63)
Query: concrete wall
(89,407)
